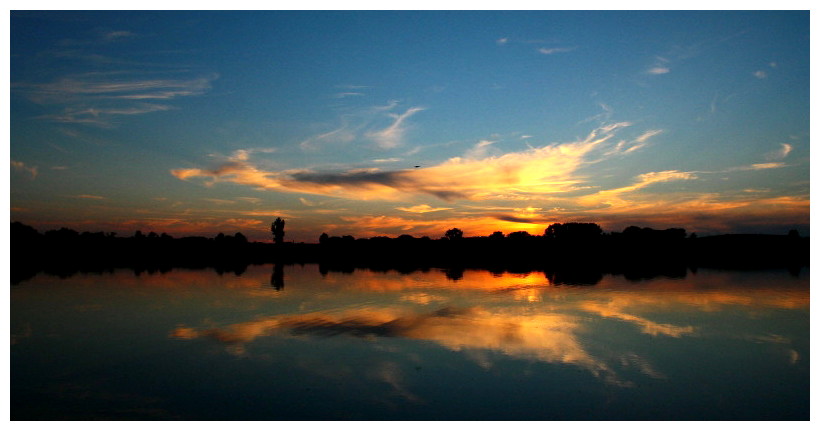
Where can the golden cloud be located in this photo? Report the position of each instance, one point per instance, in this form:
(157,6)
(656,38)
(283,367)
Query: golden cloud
(545,170)
(542,337)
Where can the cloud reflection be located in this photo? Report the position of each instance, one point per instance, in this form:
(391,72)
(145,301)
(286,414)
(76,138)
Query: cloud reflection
(521,316)
(544,337)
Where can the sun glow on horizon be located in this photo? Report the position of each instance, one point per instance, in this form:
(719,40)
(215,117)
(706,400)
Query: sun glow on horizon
(118,137)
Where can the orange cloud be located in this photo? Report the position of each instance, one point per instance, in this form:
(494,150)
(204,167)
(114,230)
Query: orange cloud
(550,177)
(545,170)
(543,337)
(421,209)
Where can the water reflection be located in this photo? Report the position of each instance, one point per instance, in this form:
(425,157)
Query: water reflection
(552,327)
(434,344)
(277,278)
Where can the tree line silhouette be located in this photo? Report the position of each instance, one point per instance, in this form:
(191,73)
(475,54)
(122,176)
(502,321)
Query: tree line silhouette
(583,249)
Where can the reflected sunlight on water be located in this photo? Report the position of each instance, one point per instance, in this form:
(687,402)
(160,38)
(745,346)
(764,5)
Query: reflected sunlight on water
(371,333)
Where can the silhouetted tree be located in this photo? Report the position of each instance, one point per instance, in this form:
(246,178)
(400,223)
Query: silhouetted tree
(634,233)
(454,234)
(497,235)
(522,234)
(277,228)
(552,231)
(573,231)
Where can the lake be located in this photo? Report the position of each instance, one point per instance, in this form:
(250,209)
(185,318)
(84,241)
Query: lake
(292,342)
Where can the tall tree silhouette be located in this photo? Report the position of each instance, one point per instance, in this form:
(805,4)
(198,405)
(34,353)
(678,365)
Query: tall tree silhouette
(277,228)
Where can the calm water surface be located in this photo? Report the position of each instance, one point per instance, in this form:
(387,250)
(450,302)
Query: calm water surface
(292,343)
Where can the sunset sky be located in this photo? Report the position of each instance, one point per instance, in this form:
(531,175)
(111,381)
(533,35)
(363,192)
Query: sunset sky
(390,123)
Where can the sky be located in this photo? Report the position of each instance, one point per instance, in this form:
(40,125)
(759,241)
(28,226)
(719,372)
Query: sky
(409,122)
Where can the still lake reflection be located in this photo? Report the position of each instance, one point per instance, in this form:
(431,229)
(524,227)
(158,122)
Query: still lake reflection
(290,342)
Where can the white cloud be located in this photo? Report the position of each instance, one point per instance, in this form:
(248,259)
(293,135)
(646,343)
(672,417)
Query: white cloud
(502,41)
(780,153)
(117,35)
(343,134)
(347,94)
(761,74)
(479,151)
(391,136)
(550,51)
(660,67)
(626,147)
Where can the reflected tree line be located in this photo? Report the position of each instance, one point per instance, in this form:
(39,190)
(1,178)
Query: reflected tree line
(580,253)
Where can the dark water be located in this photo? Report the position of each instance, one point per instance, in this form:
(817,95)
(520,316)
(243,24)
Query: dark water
(196,345)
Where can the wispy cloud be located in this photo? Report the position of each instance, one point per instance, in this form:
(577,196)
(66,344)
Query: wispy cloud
(20,166)
(364,126)
(391,136)
(345,94)
(502,41)
(612,197)
(754,167)
(99,88)
(118,35)
(773,165)
(219,201)
(95,197)
(123,85)
(780,153)
(102,116)
(550,51)
(343,134)
(479,151)
(249,199)
(660,67)
(98,98)
(762,73)
(421,209)
(543,170)
(658,70)
(629,146)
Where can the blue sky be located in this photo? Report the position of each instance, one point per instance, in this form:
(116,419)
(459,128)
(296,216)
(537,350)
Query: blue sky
(384,123)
